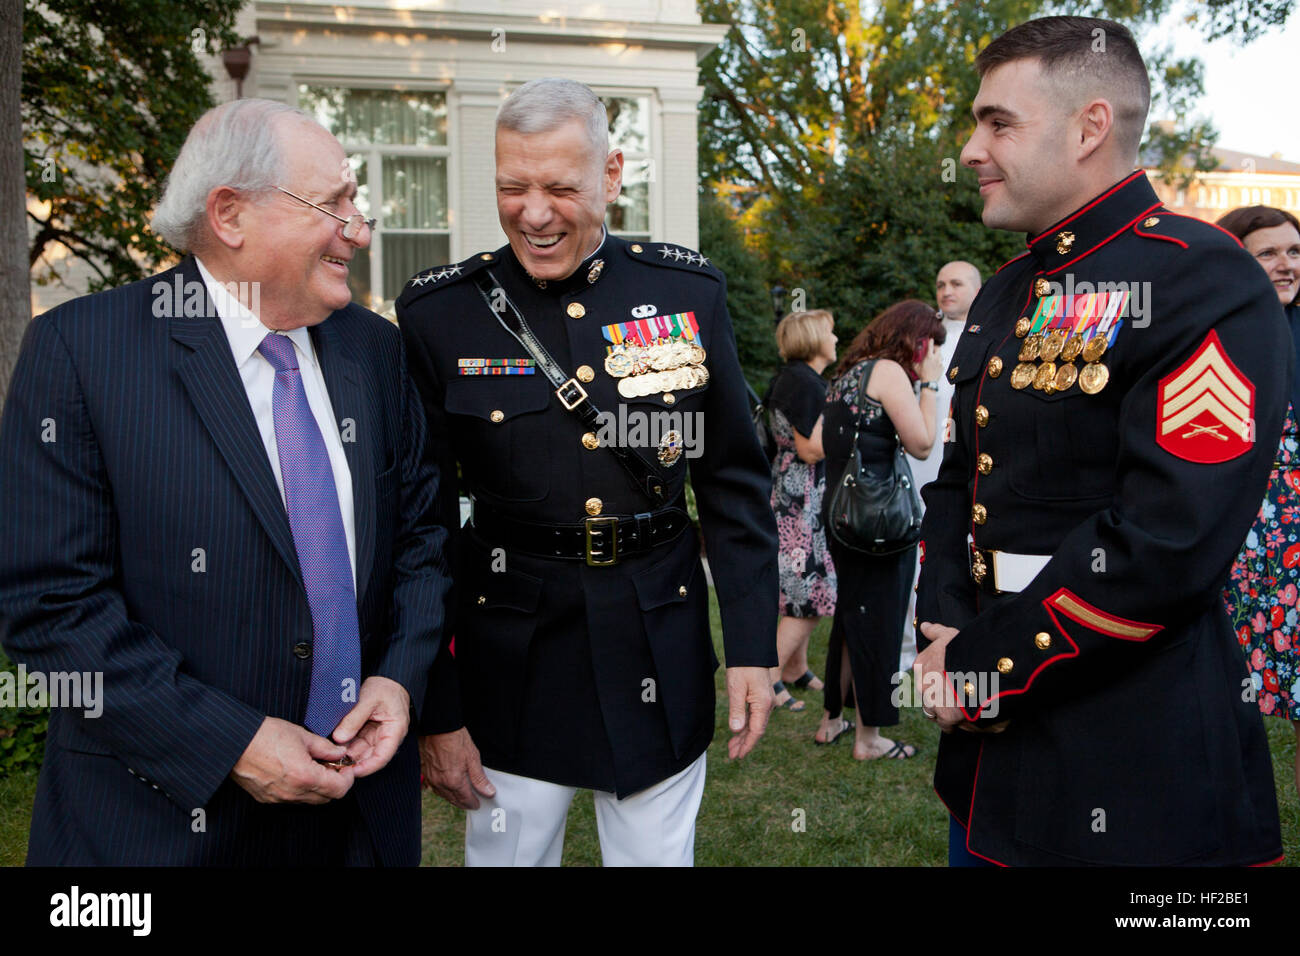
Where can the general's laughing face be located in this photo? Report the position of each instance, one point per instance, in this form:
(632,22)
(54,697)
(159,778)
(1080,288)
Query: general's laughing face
(552,190)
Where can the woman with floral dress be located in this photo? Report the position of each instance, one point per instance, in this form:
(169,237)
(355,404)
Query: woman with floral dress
(1263,593)
(807,344)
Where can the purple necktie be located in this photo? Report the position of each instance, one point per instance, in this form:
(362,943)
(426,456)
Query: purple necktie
(317,525)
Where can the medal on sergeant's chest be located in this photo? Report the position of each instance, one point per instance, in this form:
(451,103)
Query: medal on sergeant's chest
(1068,328)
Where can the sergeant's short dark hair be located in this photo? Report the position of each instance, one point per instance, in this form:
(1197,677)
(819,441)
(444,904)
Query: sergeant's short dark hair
(1244,220)
(1083,57)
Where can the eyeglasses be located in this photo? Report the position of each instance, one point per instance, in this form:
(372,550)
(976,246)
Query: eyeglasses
(351,225)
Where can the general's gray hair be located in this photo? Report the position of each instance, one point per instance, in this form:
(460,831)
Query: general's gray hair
(236,144)
(540,106)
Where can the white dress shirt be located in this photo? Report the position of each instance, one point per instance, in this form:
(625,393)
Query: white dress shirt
(926,471)
(245,333)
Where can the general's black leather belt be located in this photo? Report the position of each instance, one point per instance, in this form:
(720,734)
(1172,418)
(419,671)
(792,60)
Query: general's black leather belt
(600,541)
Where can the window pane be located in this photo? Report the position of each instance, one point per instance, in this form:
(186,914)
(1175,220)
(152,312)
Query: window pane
(386,117)
(629,123)
(404,256)
(359,277)
(415,193)
(630,212)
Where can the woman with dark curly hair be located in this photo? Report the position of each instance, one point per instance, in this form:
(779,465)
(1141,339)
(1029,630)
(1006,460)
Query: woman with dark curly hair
(1262,589)
(897,356)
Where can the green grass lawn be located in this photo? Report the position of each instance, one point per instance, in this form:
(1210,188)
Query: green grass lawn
(881,813)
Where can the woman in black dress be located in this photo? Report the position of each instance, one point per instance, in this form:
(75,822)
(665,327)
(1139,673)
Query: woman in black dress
(898,355)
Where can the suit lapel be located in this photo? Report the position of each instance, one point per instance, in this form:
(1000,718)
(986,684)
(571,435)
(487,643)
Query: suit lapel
(212,381)
(352,412)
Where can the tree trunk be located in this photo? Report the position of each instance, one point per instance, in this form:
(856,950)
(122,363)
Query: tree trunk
(15,293)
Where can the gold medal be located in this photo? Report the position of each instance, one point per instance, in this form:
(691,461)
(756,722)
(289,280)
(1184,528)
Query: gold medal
(1045,378)
(1030,347)
(1022,327)
(1073,346)
(1053,343)
(1066,376)
(1094,349)
(1093,378)
(661,357)
(698,355)
(618,363)
(1022,375)
(627,387)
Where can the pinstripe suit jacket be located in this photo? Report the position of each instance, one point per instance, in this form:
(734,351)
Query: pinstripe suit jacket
(142,535)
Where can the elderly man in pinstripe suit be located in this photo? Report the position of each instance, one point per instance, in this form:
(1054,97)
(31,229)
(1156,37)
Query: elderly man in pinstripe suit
(215,495)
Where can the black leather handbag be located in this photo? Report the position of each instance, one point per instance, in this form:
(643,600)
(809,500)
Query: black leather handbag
(870,514)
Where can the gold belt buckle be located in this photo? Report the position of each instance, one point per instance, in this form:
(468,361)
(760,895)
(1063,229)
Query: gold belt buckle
(605,552)
(565,388)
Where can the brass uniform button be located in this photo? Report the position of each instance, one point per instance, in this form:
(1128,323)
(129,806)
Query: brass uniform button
(1042,640)
(482,600)
(969,688)
(1153,221)
(952,374)
(576,310)
(590,441)
(669,398)
(1023,325)
(1004,665)
(486,257)
(682,590)
(1042,287)
(916,624)
(636,247)
(981,416)
(594,506)
(979,514)
(984,463)
(585,374)
(995,367)
(498,416)
(1064,240)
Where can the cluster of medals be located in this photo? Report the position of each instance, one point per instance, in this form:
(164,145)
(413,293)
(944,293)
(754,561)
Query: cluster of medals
(1068,328)
(672,360)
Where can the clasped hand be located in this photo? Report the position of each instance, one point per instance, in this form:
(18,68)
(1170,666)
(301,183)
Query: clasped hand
(280,763)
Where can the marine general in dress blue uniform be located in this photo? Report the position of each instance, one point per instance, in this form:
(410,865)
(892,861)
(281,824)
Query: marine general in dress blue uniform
(582,656)
(1119,391)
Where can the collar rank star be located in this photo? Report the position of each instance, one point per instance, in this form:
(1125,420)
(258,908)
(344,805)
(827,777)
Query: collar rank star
(1207,407)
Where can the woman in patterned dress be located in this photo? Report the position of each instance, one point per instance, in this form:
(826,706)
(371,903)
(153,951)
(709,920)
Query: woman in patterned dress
(798,392)
(1264,586)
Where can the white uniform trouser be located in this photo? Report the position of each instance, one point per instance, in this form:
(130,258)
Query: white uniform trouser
(523,825)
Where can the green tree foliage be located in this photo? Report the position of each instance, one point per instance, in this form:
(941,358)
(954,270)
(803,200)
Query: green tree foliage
(748,298)
(110,89)
(831,130)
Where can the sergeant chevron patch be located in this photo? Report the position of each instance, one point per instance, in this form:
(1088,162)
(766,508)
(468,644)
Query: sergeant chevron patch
(1207,407)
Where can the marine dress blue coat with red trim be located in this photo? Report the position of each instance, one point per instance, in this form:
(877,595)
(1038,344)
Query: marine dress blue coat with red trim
(1128,730)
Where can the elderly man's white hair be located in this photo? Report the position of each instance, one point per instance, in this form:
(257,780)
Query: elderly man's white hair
(236,144)
(540,106)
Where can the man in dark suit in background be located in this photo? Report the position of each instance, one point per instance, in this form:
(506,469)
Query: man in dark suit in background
(215,498)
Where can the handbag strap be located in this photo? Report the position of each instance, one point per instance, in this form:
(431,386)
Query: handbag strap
(644,477)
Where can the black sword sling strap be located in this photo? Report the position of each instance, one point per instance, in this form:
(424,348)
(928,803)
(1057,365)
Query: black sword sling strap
(869,514)
(644,477)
